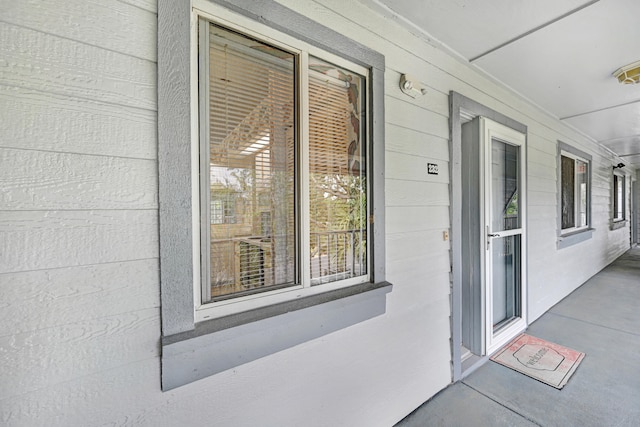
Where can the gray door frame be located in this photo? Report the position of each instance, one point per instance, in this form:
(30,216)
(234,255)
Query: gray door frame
(461,110)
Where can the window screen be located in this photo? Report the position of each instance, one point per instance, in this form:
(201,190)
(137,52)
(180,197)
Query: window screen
(337,163)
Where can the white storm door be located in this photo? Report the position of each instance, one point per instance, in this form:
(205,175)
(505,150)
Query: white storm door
(504,243)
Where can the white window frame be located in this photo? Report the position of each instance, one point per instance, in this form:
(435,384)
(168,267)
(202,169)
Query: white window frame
(573,235)
(195,345)
(302,51)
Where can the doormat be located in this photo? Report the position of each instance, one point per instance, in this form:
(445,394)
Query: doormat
(542,360)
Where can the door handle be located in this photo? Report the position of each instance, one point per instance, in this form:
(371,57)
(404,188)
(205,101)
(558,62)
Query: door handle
(490,235)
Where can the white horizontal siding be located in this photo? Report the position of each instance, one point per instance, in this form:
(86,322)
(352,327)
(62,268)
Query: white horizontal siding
(117,396)
(416,143)
(47,357)
(404,114)
(78,211)
(423,271)
(40,120)
(109,25)
(61,296)
(412,193)
(416,218)
(38,61)
(75,181)
(36,240)
(79,273)
(149,5)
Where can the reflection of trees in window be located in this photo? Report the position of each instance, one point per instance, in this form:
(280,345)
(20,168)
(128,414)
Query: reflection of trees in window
(338,228)
(337,184)
(512,206)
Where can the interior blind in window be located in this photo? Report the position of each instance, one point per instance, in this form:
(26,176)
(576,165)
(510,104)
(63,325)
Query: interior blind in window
(248,105)
(337,184)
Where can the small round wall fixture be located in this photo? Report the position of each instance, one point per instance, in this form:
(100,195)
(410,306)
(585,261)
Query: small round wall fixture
(629,74)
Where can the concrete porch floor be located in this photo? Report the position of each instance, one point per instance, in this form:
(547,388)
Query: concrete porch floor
(602,319)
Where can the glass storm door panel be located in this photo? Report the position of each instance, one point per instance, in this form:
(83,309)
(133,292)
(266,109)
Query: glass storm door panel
(504,219)
(505,253)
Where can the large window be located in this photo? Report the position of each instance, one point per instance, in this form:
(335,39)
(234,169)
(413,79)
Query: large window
(271,183)
(574,204)
(283,145)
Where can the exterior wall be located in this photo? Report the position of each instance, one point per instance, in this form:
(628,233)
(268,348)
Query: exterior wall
(80,326)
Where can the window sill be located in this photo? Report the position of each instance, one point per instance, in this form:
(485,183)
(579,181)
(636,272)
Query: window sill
(220,344)
(618,224)
(573,238)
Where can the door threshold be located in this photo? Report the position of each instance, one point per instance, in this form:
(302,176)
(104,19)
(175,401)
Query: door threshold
(465,353)
(471,364)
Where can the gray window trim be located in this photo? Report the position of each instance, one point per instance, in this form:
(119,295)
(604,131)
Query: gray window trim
(575,237)
(212,347)
(179,328)
(461,109)
(621,223)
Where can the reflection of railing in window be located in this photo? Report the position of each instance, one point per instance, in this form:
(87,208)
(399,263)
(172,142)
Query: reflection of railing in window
(240,264)
(251,265)
(245,263)
(337,255)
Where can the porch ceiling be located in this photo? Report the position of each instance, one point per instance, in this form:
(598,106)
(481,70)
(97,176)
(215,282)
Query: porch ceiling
(560,54)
